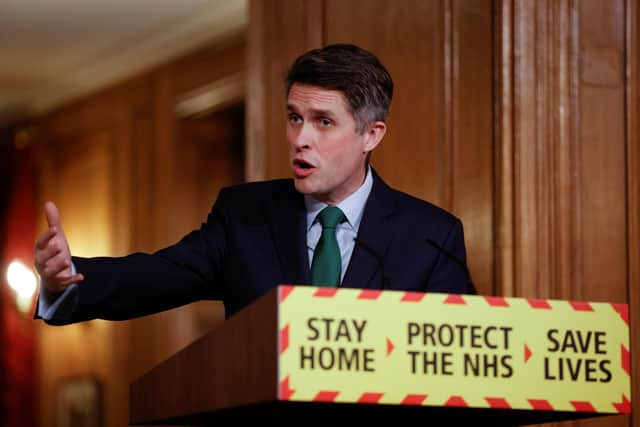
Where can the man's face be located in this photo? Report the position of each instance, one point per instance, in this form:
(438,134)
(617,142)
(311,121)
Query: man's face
(326,154)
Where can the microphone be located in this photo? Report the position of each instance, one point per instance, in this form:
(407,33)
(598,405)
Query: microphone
(457,260)
(386,283)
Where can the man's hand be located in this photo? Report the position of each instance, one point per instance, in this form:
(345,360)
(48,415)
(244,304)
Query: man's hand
(53,258)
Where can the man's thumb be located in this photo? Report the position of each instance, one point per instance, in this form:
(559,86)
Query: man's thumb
(51,212)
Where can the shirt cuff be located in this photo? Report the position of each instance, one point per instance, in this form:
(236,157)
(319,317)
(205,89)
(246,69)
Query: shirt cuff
(56,308)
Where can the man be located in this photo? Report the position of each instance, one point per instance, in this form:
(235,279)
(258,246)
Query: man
(336,223)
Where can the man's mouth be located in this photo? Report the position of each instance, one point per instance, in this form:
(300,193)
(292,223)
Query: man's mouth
(302,168)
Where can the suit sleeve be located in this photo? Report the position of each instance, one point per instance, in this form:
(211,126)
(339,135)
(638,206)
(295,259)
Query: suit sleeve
(119,288)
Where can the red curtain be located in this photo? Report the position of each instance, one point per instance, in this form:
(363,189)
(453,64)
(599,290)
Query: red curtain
(18,376)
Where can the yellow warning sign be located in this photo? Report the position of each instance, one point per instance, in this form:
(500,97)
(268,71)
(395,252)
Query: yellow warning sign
(392,347)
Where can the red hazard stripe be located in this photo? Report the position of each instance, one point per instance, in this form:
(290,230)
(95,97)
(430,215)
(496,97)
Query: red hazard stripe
(624,355)
(456,401)
(455,299)
(326,396)
(581,306)
(369,294)
(285,290)
(583,406)
(540,405)
(539,303)
(623,407)
(497,402)
(497,301)
(414,399)
(325,292)
(285,389)
(413,296)
(370,397)
(284,339)
(623,311)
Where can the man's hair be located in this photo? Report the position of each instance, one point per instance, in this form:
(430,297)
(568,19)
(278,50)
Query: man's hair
(355,72)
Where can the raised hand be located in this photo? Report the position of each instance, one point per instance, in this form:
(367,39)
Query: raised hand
(52,255)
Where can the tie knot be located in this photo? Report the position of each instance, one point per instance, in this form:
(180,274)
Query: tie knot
(330,217)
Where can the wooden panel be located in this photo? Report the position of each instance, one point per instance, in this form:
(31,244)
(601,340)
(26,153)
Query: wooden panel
(566,153)
(282,20)
(208,64)
(632,27)
(141,185)
(439,144)
(229,367)
(79,180)
(255,102)
(409,39)
(280,31)
(109,159)
(602,155)
(602,152)
(563,241)
(211,157)
(537,207)
(181,177)
(471,128)
(525,161)
(504,131)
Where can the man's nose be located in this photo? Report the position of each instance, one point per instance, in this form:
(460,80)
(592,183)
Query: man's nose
(304,137)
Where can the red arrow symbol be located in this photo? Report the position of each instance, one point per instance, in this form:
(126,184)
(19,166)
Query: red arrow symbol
(390,346)
(527,353)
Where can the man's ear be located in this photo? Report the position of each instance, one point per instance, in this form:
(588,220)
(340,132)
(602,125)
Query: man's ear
(373,135)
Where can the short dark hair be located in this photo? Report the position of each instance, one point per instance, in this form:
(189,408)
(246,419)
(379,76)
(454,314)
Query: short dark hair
(355,72)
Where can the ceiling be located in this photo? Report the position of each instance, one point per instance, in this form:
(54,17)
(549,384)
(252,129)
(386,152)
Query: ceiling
(54,51)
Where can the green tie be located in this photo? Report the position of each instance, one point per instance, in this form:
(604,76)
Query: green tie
(327,262)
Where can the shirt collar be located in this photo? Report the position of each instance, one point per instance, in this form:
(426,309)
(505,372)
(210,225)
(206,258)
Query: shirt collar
(352,206)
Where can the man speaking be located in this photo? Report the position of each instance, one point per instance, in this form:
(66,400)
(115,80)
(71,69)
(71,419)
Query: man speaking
(336,223)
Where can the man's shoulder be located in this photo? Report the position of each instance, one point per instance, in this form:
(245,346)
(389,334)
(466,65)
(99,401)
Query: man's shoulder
(258,192)
(260,187)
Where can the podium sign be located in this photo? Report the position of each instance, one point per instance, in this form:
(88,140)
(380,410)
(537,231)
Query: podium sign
(406,348)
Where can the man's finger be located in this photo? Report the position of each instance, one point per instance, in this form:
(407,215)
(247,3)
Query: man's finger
(52,214)
(58,267)
(45,254)
(43,239)
(61,283)
(76,278)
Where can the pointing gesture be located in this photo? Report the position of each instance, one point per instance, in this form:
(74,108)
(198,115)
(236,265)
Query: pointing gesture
(52,255)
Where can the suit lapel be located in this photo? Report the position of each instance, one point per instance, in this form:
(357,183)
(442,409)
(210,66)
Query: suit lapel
(287,217)
(375,232)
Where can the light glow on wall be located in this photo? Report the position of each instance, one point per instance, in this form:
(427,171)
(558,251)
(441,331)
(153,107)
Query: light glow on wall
(23,281)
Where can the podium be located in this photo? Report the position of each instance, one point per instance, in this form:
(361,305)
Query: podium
(322,356)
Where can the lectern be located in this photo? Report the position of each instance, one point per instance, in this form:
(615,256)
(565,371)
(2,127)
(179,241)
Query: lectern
(318,356)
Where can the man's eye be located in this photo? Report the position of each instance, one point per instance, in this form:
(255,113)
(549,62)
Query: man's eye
(294,118)
(325,122)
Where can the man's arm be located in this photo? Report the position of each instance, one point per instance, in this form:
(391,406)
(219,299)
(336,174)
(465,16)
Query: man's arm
(131,286)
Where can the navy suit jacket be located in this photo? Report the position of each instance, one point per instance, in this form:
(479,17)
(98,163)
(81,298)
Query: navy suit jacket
(255,238)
